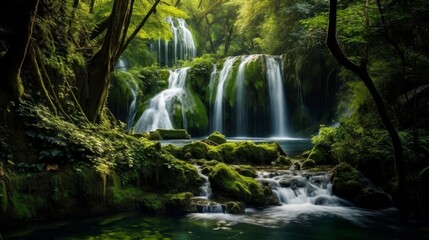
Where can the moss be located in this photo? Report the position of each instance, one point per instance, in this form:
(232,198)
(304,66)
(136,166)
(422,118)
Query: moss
(178,176)
(125,198)
(283,161)
(246,170)
(217,137)
(152,202)
(227,182)
(249,152)
(235,207)
(227,150)
(173,133)
(308,164)
(214,155)
(154,136)
(321,155)
(196,114)
(197,150)
(178,202)
(174,150)
(346,181)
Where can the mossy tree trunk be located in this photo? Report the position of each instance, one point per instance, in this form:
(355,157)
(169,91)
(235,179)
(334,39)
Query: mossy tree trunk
(362,72)
(114,43)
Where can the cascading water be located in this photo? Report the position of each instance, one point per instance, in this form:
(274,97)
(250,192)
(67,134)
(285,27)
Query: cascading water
(182,43)
(159,114)
(277,97)
(205,193)
(297,188)
(218,104)
(240,102)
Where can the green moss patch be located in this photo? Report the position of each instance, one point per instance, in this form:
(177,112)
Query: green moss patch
(227,182)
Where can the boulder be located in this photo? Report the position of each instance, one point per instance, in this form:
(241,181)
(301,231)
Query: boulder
(227,182)
(217,137)
(349,183)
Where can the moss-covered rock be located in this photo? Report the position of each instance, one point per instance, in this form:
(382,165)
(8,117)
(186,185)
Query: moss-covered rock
(213,154)
(246,170)
(217,137)
(283,161)
(227,182)
(174,150)
(227,150)
(235,207)
(173,134)
(178,202)
(154,136)
(198,150)
(249,152)
(321,155)
(348,183)
(309,163)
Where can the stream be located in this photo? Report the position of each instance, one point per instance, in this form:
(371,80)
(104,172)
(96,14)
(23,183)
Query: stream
(307,210)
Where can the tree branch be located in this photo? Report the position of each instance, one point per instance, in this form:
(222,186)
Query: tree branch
(362,72)
(101,26)
(139,27)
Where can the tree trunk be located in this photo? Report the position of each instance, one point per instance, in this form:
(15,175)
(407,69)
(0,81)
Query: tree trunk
(102,63)
(10,64)
(362,72)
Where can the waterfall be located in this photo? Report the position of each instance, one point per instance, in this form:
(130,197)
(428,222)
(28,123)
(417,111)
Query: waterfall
(134,88)
(205,193)
(277,97)
(188,45)
(298,188)
(182,43)
(161,107)
(218,105)
(240,103)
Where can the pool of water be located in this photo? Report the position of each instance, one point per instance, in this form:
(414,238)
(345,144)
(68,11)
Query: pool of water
(284,222)
(292,146)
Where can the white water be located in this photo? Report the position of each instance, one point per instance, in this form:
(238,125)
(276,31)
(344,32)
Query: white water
(205,194)
(277,97)
(295,188)
(240,103)
(161,108)
(302,195)
(218,105)
(183,44)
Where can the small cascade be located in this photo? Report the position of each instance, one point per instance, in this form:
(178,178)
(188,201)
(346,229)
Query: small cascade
(161,107)
(241,108)
(277,97)
(207,206)
(218,104)
(181,46)
(213,207)
(299,188)
(134,88)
